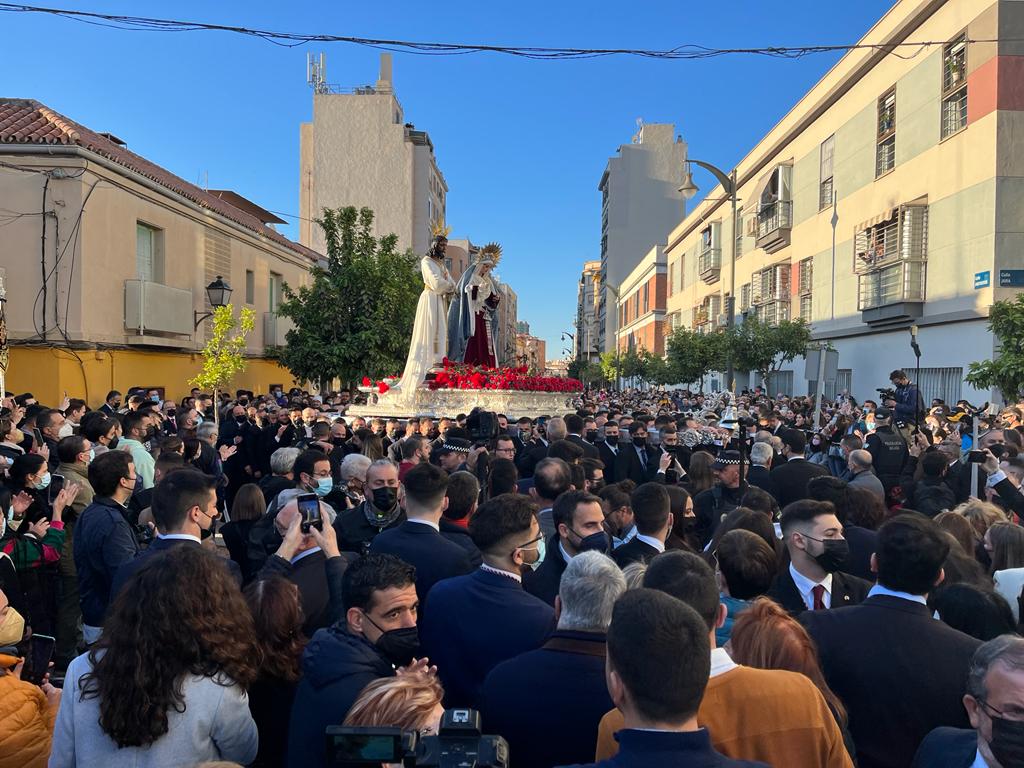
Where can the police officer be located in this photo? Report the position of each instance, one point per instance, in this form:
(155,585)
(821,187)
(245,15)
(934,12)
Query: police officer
(888,450)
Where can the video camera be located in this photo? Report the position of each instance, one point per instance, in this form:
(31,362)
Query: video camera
(458,744)
(482,426)
(886,393)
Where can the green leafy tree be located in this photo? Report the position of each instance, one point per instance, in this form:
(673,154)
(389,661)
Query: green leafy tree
(611,366)
(586,371)
(224,353)
(632,364)
(765,348)
(1006,371)
(691,355)
(355,318)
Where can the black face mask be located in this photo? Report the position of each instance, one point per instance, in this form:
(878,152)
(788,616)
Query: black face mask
(640,442)
(384,498)
(611,439)
(596,485)
(337,441)
(399,646)
(1007,743)
(833,555)
(241,419)
(596,542)
(112,445)
(591,435)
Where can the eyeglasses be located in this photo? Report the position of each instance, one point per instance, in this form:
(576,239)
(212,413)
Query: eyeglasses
(540,537)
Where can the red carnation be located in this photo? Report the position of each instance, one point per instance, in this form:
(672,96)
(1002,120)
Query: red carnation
(366,381)
(382,387)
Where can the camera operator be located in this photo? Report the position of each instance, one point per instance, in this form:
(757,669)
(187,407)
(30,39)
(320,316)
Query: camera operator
(907,406)
(888,450)
(669,442)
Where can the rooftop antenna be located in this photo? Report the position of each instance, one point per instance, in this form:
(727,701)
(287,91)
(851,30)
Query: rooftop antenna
(316,72)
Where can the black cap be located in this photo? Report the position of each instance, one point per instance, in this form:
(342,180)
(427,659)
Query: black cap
(455,445)
(883,413)
(726,459)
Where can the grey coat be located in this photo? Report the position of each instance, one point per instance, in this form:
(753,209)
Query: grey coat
(216,725)
(868,481)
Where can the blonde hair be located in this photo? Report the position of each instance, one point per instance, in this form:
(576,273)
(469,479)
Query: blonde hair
(981,514)
(406,702)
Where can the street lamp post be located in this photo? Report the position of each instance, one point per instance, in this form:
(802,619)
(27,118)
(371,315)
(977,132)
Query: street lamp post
(728,182)
(219,294)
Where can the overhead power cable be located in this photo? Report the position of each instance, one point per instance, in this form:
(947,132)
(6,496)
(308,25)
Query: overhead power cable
(907,50)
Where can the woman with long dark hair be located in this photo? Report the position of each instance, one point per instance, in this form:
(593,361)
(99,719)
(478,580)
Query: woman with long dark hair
(247,507)
(166,682)
(277,614)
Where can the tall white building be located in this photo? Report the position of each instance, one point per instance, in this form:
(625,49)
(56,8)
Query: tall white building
(358,150)
(586,345)
(640,205)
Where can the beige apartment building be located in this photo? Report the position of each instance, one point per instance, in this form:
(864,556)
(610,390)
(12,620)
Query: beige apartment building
(358,150)
(587,341)
(891,195)
(107,257)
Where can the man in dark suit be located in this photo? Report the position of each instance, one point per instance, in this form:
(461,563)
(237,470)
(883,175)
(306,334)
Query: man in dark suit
(900,672)
(551,480)
(640,462)
(653,517)
(574,430)
(463,492)
(184,508)
(579,526)
(609,449)
(814,538)
(759,472)
(479,620)
(994,686)
(533,452)
(791,477)
(418,541)
(862,541)
(560,727)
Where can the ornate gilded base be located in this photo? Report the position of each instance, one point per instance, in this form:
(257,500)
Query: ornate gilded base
(451,402)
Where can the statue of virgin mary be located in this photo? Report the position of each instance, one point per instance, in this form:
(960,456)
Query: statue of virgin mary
(473,315)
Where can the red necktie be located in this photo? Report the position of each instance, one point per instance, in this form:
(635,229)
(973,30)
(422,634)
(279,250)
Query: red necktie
(819,597)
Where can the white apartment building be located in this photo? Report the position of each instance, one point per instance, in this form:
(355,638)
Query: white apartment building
(640,203)
(587,344)
(358,150)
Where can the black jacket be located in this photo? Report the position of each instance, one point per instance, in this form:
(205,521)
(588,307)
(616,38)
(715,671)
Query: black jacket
(846,590)
(711,506)
(271,485)
(590,451)
(608,457)
(459,535)
(560,727)
(432,555)
(544,581)
(863,542)
(336,666)
(900,673)
(157,547)
(356,532)
(947,748)
(319,581)
(629,467)
(634,551)
(527,459)
(760,477)
(791,478)
(889,453)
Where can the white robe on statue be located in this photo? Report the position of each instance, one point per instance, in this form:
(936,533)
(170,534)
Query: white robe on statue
(429,343)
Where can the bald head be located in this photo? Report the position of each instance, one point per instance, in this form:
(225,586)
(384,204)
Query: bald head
(860,460)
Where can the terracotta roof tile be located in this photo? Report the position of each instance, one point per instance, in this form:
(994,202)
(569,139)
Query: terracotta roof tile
(24,121)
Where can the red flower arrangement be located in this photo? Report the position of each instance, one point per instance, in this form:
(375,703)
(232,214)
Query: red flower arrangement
(463,376)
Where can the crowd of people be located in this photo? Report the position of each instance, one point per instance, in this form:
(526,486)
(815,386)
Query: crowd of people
(649,578)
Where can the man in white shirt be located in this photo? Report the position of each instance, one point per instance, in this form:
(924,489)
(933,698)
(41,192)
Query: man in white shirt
(817,550)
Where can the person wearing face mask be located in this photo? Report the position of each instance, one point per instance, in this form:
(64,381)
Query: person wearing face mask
(185,513)
(995,707)
(574,426)
(75,453)
(243,467)
(111,403)
(579,527)
(418,540)
(135,426)
(813,536)
(479,620)
(609,447)
(376,636)
(358,526)
(102,433)
(27,711)
(638,461)
(49,423)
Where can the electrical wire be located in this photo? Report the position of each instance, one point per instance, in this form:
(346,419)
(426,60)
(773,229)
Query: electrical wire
(295,39)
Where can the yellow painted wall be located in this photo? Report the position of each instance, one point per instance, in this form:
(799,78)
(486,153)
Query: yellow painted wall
(49,372)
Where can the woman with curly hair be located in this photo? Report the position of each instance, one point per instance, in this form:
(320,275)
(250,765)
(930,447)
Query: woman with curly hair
(277,615)
(166,683)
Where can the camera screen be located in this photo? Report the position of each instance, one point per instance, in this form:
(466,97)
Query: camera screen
(309,508)
(350,747)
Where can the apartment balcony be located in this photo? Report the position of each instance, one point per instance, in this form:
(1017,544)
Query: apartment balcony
(709,264)
(774,224)
(275,327)
(773,312)
(155,311)
(893,294)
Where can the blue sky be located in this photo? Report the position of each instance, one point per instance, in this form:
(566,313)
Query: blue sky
(522,143)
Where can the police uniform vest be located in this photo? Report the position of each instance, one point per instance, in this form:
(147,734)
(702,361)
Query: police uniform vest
(890,459)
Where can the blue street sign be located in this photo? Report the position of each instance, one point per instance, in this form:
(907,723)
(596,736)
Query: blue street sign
(982,279)
(1011,278)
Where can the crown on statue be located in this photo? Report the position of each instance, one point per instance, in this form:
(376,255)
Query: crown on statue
(438,229)
(491,252)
